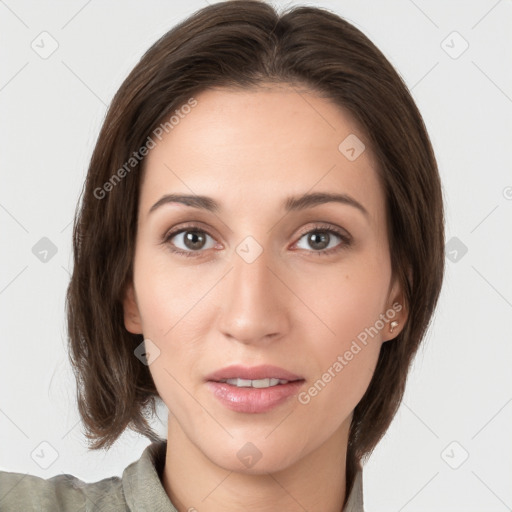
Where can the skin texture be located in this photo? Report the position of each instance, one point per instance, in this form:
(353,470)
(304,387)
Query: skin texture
(290,307)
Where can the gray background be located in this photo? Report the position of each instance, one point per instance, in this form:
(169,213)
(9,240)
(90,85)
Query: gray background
(449,447)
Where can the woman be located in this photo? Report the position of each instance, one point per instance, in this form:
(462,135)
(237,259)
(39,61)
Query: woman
(260,245)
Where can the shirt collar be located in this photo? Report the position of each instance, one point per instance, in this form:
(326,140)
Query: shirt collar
(142,483)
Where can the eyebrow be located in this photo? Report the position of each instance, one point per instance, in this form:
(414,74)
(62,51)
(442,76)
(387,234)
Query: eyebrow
(293,203)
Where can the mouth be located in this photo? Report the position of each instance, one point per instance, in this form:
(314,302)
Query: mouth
(253,389)
(253,373)
(256,383)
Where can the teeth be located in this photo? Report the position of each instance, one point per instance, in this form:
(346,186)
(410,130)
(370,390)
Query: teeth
(257,383)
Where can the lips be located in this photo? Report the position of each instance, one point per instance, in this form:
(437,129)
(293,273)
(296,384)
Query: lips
(256,389)
(252,373)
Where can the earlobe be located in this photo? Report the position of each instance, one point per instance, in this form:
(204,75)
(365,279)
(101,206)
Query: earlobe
(397,316)
(132,321)
(397,313)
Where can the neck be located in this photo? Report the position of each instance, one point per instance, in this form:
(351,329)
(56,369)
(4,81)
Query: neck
(314,482)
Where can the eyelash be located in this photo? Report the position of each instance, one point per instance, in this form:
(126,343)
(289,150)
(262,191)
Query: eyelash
(322,228)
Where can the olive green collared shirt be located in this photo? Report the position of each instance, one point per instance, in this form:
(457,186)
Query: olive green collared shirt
(139,490)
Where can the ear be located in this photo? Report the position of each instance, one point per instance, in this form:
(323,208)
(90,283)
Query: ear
(132,321)
(396,311)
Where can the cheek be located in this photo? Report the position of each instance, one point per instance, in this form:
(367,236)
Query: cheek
(343,363)
(168,296)
(345,349)
(348,300)
(339,387)
(174,307)
(170,307)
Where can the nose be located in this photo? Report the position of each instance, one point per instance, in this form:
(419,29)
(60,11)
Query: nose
(253,302)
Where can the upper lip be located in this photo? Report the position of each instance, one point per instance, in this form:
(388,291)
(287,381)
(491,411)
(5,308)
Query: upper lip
(252,373)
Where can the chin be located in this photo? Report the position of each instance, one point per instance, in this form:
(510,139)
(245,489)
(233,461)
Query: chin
(246,458)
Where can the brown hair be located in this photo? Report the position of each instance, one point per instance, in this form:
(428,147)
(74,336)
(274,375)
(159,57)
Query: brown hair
(243,43)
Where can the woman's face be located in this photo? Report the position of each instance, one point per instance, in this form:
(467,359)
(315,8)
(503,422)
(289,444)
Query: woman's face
(265,314)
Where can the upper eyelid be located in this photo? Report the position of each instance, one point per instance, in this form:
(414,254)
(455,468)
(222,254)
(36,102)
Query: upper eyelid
(323,226)
(192,227)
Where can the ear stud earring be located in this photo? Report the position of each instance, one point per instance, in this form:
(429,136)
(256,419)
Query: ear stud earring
(393,324)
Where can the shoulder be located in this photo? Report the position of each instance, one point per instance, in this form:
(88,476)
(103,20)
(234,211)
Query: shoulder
(140,488)
(24,492)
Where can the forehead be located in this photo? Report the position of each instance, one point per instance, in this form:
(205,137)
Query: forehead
(250,148)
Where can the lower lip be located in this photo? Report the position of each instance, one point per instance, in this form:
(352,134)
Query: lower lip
(253,400)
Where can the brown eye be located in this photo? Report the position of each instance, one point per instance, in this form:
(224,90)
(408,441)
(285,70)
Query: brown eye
(188,240)
(194,240)
(322,240)
(318,239)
